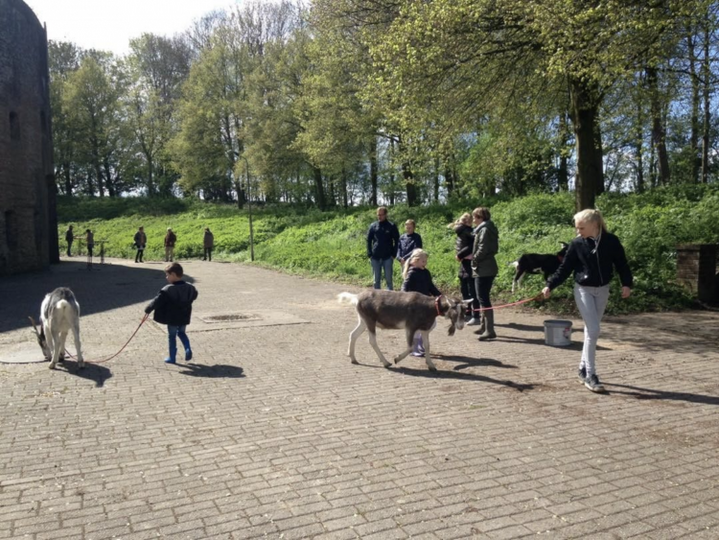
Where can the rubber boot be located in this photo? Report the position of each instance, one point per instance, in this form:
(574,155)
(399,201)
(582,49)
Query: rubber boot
(489,326)
(481,328)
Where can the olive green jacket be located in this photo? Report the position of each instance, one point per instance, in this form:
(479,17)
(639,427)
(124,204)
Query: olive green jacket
(485,247)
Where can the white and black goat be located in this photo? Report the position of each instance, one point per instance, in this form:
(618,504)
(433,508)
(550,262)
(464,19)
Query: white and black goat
(534,263)
(59,313)
(395,310)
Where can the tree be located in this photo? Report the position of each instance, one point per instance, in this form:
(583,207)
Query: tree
(460,60)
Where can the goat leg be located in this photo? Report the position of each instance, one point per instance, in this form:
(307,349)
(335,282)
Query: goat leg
(76,336)
(359,329)
(426,344)
(373,344)
(410,336)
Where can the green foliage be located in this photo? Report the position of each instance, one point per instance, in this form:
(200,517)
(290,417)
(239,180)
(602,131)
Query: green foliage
(332,244)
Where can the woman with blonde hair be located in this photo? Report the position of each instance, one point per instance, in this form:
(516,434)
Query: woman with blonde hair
(592,256)
(463,254)
(417,278)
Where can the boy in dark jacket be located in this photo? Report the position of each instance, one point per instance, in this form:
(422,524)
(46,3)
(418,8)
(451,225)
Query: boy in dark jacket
(173,306)
(409,242)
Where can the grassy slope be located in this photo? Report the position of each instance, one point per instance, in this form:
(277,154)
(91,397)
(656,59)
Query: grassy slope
(332,244)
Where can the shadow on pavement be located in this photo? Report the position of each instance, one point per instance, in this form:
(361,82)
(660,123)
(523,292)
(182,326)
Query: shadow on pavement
(468,361)
(574,345)
(104,288)
(442,374)
(92,372)
(216,371)
(647,393)
(522,327)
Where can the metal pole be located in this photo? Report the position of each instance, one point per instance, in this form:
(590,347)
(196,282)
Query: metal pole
(247,180)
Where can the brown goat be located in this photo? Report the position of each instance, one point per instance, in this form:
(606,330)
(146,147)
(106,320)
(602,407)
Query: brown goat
(409,310)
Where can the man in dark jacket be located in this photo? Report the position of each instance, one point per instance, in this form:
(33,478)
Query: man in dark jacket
(140,240)
(382,246)
(69,237)
(173,307)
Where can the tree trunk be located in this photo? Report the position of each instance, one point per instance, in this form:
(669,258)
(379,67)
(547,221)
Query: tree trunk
(436,181)
(707,79)
(694,109)
(319,190)
(392,171)
(408,177)
(639,178)
(343,185)
(68,180)
(584,103)
(599,186)
(373,171)
(658,128)
(562,178)
(108,182)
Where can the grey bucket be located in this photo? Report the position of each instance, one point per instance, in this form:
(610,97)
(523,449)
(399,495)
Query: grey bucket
(557,333)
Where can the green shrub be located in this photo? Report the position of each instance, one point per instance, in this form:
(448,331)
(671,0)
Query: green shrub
(332,244)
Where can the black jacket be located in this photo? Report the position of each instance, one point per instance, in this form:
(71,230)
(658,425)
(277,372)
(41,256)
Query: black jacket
(173,304)
(382,240)
(593,267)
(420,280)
(463,248)
(407,244)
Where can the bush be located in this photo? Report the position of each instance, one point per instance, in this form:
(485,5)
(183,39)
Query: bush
(332,244)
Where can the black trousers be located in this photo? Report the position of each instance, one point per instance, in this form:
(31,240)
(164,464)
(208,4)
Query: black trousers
(69,246)
(467,288)
(207,254)
(482,290)
(139,255)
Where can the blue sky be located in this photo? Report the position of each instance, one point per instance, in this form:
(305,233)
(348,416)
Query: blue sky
(110,24)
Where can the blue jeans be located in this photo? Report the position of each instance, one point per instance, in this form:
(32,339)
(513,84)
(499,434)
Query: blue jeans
(178,331)
(591,302)
(380,265)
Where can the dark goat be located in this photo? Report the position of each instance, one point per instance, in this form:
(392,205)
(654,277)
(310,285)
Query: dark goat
(395,310)
(534,263)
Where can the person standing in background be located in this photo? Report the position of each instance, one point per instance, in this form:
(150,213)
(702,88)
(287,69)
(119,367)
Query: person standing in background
(170,240)
(382,247)
(140,240)
(69,239)
(208,243)
(409,242)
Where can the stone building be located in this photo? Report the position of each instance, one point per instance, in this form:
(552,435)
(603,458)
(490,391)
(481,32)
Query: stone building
(28,216)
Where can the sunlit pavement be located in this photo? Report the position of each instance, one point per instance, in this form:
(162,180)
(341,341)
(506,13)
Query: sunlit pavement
(271,432)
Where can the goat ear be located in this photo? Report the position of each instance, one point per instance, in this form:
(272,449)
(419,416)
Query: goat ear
(451,330)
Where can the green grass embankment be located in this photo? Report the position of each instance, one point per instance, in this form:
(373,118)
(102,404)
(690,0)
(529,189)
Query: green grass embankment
(331,244)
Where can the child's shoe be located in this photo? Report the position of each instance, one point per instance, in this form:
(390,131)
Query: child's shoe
(188,355)
(169,360)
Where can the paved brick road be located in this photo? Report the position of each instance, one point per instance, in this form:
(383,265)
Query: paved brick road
(272,432)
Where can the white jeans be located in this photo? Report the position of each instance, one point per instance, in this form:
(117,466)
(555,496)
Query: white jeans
(591,301)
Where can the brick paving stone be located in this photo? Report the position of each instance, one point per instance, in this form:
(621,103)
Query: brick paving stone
(271,431)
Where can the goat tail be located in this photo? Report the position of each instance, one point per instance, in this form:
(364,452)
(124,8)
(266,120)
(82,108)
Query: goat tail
(514,263)
(346,296)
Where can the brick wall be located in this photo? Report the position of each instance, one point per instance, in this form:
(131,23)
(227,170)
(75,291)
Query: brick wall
(697,270)
(28,222)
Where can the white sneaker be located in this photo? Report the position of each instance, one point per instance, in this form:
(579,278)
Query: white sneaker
(473,322)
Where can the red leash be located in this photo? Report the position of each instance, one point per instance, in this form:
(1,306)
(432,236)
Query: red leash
(145,318)
(539,298)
